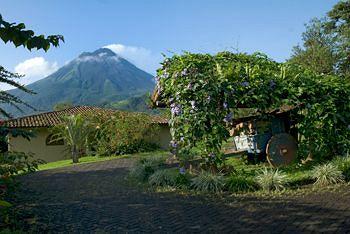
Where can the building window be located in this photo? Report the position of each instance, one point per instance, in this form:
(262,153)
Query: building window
(51,141)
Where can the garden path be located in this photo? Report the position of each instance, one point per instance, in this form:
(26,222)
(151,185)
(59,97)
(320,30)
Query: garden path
(89,198)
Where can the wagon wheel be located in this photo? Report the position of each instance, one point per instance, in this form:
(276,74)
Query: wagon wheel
(281,150)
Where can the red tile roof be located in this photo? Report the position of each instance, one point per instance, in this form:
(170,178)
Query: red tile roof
(50,119)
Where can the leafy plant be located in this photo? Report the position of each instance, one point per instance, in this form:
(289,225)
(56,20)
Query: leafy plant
(208,182)
(240,183)
(327,174)
(343,164)
(163,177)
(123,133)
(74,130)
(271,179)
(145,167)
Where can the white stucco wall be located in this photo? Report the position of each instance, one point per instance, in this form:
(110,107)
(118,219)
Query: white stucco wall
(164,137)
(50,153)
(37,146)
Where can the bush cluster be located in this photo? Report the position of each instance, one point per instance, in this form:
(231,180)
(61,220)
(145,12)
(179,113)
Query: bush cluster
(154,171)
(145,167)
(122,133)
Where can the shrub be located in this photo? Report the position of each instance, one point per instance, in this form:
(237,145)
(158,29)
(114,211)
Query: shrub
(145,167)
(163,177)
(240,183)
(208,182)
(327,174)
(122,133)
(343,164)
(170,177)
(270,179)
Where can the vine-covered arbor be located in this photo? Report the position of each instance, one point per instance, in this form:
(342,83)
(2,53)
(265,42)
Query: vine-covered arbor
(205,93)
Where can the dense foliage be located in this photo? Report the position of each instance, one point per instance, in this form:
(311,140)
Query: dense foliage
(16,33)
(205,91)
(326,43)
(122,133)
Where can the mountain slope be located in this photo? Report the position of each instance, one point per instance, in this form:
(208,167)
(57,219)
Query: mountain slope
(134,104)
(95,78)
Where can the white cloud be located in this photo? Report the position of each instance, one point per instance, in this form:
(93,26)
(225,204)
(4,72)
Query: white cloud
(139,56)
(33,69)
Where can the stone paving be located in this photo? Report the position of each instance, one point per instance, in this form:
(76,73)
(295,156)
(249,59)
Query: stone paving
(95,198)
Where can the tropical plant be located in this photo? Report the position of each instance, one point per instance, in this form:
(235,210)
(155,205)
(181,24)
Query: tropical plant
(145,167)
(240,183)
(327,174)
(208,182)
(343,164)
(163,177)
(74,130)
(271,179)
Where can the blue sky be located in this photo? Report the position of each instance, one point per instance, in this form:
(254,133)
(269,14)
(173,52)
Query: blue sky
(141,30)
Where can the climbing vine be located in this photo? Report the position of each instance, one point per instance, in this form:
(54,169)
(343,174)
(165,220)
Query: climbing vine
(204,93)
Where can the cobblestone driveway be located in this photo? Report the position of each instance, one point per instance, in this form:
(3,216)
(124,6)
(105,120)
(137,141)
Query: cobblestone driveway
(94,198)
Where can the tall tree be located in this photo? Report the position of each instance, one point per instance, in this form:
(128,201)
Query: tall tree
(318,52)
(339,25)
(18,35)
(326,43)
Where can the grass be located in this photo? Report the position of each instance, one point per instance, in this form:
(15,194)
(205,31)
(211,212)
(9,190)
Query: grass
(92,159)
(297,175)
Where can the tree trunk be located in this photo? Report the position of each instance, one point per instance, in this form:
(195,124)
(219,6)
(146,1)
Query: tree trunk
(75,155)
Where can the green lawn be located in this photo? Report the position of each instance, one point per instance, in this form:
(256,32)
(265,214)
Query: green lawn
(92,159)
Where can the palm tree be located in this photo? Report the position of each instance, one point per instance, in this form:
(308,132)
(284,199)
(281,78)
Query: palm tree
(74,131)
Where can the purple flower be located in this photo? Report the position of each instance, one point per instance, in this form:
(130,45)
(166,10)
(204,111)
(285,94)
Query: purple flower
(212,155)
(245,84)
(193,104)
(189,86)
(225,105)
(159,89)
(173,144)
(184,72)
(175,109)
(157,79)
(182,170)
(228,117)
(164,75)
